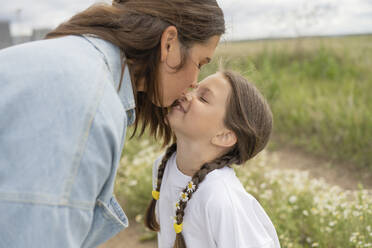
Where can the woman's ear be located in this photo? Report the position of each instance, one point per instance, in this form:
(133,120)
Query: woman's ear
(168,42)
(225,138)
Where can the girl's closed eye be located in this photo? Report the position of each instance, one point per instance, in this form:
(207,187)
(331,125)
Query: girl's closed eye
(203,99)
(204,94)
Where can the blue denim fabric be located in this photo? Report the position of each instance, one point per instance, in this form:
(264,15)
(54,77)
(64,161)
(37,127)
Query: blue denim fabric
(62,130)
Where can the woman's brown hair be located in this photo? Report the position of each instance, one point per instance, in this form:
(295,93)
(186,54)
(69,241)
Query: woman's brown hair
(249,116)
(136,27)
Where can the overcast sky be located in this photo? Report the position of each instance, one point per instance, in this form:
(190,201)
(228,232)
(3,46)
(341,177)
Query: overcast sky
(245,19)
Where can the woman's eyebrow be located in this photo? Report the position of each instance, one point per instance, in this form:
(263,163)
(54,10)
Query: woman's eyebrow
(206,60)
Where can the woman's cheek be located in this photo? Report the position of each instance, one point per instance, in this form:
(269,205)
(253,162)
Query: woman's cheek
(190,75)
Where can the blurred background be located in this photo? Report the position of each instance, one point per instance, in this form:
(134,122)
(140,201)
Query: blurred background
(245,19)
(313,62)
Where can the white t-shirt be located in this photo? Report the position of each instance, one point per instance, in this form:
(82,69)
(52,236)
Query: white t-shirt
(220,212)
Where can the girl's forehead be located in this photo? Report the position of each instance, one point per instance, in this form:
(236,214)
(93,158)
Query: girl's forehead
(214,82)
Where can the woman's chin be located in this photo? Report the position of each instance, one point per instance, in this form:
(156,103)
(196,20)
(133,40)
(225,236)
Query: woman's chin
(163,104)
(169,102)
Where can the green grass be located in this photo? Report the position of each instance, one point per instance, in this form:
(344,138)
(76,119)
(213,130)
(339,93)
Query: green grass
(305,212)
(133,183)
(319,91)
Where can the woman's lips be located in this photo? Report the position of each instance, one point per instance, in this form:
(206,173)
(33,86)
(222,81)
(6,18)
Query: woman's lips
(179,107)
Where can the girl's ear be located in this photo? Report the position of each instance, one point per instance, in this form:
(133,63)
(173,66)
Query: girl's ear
(168,42)
(225,138)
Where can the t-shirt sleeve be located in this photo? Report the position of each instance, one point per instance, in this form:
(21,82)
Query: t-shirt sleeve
(266,222)
(234,222)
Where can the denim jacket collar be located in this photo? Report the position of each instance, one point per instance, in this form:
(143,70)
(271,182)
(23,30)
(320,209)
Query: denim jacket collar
(111,56)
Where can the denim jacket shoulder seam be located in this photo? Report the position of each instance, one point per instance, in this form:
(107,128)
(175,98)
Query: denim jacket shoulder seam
(125,93)
(82,141)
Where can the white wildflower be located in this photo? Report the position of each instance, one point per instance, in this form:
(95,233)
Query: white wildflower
(191,187)
(292,199)
(132,182)
(176,206)
(184,196)
(356,213)
(139,218)
(332,223)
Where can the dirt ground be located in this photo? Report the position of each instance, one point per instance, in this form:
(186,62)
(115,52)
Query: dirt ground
(344,175)
(129,238)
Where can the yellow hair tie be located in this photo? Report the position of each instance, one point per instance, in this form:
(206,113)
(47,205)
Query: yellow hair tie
(178,228)
(155,194)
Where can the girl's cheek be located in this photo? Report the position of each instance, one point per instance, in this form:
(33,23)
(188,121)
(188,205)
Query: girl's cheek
(199,115)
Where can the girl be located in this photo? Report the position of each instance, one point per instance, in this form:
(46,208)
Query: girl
(66,103)
(224,121)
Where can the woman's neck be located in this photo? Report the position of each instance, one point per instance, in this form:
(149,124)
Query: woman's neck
(192,155)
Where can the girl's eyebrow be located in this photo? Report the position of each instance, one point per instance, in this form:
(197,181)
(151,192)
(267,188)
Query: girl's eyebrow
(206,90)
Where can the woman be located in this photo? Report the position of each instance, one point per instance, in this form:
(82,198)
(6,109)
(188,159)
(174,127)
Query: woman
(66,103)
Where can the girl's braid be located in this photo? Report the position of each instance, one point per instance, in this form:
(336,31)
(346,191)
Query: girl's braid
(168,153)
(198,177)
(150,217)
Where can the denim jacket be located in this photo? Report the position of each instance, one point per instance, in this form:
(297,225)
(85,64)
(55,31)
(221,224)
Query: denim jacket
(62,130)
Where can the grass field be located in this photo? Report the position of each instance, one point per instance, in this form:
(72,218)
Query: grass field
(319,90)
(305,212)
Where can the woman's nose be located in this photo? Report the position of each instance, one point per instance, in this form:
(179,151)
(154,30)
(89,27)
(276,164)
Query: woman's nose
(186,96)
(189,95)
(194,85)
